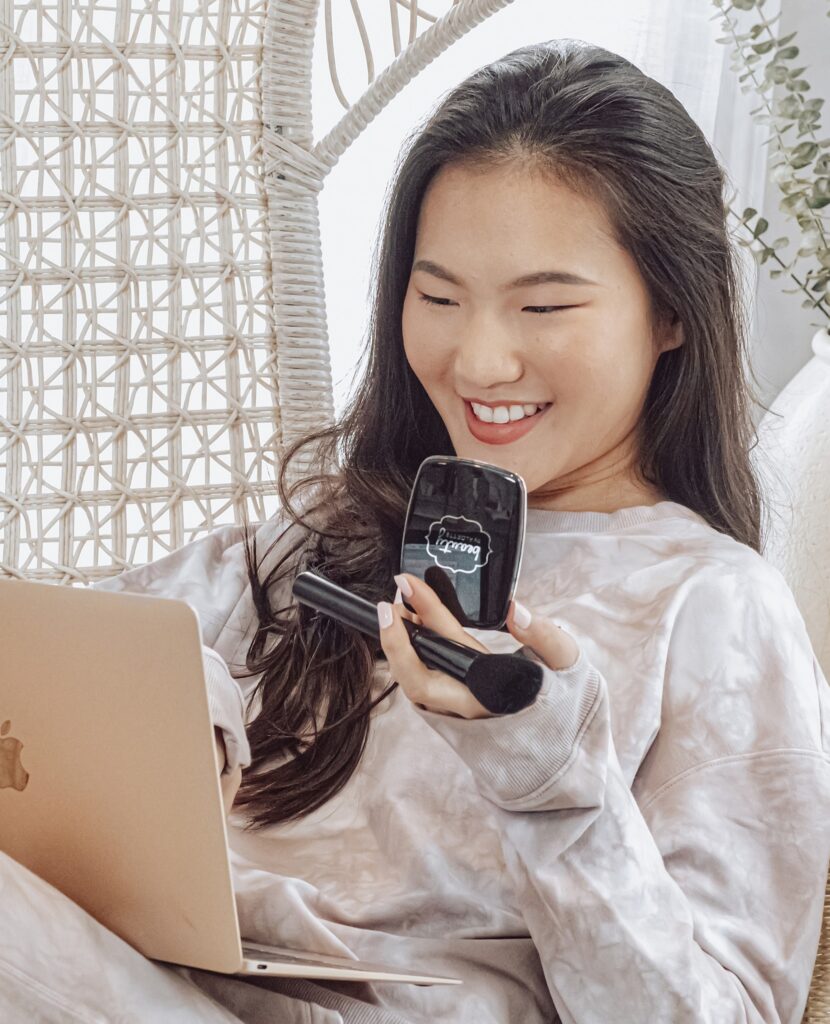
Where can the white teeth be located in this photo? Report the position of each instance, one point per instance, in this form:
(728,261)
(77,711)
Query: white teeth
(503,413)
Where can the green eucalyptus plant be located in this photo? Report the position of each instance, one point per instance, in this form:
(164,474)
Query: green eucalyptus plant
(801,169)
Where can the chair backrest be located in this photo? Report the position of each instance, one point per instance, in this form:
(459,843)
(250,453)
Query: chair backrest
(162,316)
(792,460)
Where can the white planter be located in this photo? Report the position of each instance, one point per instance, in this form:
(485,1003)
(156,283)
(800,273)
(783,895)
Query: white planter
(793,463)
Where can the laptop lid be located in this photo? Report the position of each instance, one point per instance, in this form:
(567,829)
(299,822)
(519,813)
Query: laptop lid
(108,782)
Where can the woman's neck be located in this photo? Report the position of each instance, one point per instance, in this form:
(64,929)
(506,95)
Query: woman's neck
(601,499)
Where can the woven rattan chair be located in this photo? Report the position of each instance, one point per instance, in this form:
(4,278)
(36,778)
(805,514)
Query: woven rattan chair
(162,325)
(818,1004)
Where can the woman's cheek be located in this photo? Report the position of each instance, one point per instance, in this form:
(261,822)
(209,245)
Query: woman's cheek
(412,337)
(414,352)
(422,347)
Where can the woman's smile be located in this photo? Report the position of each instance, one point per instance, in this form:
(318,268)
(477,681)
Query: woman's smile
(501,433)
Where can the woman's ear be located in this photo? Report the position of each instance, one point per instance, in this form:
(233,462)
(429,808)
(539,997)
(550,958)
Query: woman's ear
(671,335)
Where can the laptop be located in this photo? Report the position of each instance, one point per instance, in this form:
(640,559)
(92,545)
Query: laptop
(109,789)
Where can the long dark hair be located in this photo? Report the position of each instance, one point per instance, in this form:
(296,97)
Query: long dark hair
(606,128)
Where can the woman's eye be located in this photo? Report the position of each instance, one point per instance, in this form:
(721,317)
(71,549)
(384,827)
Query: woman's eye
(433,301)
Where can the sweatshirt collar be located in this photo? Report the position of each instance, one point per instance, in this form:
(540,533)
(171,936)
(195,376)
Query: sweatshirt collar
(541,520)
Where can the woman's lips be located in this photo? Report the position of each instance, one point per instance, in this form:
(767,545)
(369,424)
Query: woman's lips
(501,433)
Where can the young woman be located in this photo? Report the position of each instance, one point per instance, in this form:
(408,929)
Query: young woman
(649,840)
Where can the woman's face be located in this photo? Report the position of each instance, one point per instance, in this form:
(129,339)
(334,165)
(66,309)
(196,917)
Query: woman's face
(578,342)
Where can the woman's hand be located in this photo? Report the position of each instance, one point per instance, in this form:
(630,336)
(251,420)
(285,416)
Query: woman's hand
(434,690)
(231,782)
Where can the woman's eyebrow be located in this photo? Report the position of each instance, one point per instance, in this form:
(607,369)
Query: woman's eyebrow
(525,281)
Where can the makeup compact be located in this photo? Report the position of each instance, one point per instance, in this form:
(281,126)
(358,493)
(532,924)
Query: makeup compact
(464,536)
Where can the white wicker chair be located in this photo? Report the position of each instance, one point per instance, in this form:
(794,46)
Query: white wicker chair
(162,322)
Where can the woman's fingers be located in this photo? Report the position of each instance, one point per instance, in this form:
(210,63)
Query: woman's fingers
(556,648)
(407,614)
(437,691)
(433,613)
(228,781)
(427,687)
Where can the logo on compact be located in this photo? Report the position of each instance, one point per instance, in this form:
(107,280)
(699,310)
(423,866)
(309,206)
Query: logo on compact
(12,772)
(458,544)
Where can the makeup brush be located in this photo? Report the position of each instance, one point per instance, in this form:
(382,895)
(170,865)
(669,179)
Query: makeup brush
(502,683)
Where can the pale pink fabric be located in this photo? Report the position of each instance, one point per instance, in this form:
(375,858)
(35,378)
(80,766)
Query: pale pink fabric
(648,841)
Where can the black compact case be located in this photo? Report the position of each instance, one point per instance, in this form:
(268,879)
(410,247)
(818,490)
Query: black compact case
(464,536)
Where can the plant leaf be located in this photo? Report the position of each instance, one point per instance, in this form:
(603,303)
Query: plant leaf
(803,154)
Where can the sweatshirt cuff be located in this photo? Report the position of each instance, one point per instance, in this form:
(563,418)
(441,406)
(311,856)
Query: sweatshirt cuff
(227,711)
(518,759)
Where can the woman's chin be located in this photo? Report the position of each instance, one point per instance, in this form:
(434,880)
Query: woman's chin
(491,455)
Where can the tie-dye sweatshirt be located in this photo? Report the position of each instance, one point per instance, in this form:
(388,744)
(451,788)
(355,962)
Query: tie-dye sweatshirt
(647,842)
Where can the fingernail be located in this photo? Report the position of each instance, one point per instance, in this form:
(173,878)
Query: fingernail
(385,617)
(398,598)
(404,584)
(521,616)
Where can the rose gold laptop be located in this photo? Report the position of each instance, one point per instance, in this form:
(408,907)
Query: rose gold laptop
(108,782)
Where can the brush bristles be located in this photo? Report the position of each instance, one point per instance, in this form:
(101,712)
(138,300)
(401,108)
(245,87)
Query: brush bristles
(504,683)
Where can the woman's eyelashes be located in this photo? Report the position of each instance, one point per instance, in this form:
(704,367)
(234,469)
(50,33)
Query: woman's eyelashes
(433,301)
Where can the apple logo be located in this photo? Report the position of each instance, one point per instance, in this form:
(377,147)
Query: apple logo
(12,772)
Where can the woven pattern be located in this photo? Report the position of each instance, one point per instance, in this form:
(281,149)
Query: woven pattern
(137,349)
(818,1004)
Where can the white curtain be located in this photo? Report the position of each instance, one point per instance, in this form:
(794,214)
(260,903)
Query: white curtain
(673,42)
(678,47)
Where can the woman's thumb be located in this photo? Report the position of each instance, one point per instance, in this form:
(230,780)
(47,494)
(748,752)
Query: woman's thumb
(556,648)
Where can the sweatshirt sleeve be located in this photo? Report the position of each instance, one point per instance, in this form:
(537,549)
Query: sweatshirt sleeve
(700,901)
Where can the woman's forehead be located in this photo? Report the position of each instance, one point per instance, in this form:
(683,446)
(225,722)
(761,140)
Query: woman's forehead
(508,209)
(501,250)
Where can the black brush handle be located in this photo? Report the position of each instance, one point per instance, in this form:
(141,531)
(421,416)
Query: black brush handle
(435,650)
(502,683)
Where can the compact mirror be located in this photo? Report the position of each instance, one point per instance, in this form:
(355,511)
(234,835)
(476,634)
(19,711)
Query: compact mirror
(464,536)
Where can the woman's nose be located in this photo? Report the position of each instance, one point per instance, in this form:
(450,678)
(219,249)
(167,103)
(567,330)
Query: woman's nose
(485,356)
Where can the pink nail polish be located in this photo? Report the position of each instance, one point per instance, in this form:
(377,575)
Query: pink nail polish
(385,616)
(521,616)
(404,584)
